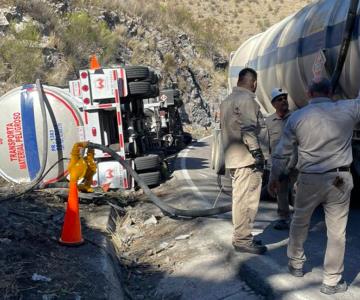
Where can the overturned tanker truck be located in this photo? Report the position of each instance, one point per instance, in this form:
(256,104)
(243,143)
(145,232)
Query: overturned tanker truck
(322,39)
(40,124)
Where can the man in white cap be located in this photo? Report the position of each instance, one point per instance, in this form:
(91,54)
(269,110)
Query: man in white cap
(275,124)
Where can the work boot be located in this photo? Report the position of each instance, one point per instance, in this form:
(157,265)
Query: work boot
(341,287)
(282,225)
(295,272)
(250,248)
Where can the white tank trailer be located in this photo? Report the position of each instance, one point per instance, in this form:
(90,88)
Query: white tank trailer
(322,39)
(21,133)
(308,43)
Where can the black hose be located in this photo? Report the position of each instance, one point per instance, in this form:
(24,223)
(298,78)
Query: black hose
(172,211)
(42,98)
(349,27)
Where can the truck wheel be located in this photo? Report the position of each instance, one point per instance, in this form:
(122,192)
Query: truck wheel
(136,72)
(139,88)
(154,91)
(152,78)
(152,178)
(151,161)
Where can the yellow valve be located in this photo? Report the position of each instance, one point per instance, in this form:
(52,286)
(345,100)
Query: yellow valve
(77,165)
(90,171)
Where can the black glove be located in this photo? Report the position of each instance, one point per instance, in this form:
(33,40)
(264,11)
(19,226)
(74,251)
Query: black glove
(259,159)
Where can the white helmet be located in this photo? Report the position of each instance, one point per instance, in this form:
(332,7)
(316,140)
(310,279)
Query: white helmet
(276,92)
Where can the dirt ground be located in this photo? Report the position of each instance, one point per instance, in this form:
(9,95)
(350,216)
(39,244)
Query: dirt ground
(34,264)
(150,245)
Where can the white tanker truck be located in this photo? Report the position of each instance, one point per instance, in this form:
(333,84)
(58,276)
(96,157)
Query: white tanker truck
(322,39)
(39,125)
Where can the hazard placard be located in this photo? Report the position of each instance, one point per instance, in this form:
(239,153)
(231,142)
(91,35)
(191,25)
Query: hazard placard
(163,98)
(102,85)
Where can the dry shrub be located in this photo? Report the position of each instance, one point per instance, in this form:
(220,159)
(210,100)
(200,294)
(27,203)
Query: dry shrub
(20,51)
(169,63)
(40,11)
(59,75)
(82,36)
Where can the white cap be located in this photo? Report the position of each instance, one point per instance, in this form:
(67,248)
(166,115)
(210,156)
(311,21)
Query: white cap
(276,92)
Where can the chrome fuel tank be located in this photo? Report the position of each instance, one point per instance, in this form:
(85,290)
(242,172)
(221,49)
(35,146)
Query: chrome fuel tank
(285,54)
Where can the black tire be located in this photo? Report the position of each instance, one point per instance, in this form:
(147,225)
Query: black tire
(139,88)
(152,78)
(137,72)
(154,91)
(151,161)
(152,178)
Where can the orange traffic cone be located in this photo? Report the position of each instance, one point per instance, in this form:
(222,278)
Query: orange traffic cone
(71,231)
(94,64)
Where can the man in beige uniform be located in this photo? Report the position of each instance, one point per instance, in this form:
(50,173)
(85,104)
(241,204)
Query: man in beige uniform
(322,133)
(240,121)
(275,124)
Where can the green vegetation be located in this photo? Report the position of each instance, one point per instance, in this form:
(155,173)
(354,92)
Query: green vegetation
(41,13)
(81,35)
(207,33)
(212,27)
(77,36)
(20,54)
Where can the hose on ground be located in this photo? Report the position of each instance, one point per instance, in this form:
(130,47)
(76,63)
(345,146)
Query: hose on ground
(170,210)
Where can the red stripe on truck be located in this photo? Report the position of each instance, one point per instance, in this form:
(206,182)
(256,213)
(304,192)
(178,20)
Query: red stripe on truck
(66,105)
(121,141)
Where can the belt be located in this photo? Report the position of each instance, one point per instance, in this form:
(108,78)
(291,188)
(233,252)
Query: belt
(339,169)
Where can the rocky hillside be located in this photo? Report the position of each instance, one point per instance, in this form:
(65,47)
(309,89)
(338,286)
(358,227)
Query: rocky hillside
(186,42)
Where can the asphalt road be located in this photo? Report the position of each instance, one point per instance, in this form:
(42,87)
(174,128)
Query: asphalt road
(267,275)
